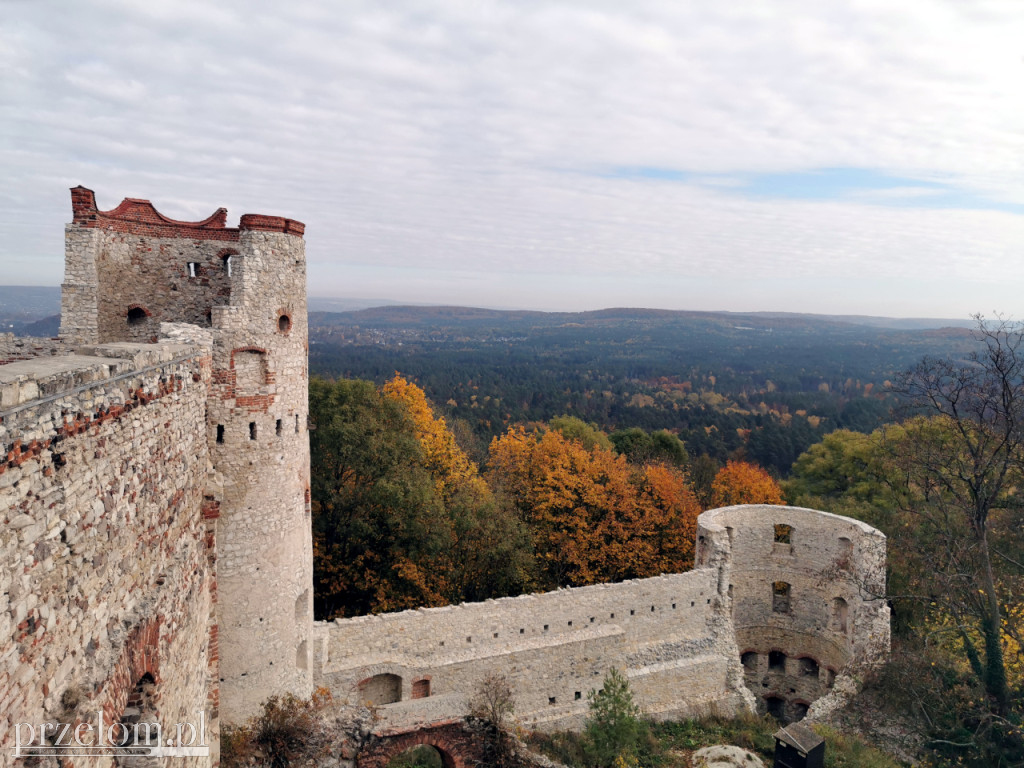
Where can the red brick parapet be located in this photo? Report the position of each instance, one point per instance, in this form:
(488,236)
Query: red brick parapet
(139,217)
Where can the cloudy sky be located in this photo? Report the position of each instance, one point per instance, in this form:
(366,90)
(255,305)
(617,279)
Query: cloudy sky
(854,157)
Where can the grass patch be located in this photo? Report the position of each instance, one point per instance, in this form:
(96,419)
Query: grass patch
(670,744)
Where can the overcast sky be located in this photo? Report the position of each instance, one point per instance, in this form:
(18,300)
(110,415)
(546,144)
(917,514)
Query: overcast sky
(846,157)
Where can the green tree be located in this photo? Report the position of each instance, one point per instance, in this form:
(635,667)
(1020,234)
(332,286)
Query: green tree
(589,435)
(378,522)
(401,518)
(613,730)
(642,447)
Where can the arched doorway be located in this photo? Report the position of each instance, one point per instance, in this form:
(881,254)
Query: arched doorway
(421,756)
(380,689)
(139,726)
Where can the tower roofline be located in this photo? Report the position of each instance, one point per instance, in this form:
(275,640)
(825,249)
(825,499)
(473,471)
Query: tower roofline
(140,216)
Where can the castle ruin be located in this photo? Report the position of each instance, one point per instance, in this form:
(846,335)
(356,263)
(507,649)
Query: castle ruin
(157,557)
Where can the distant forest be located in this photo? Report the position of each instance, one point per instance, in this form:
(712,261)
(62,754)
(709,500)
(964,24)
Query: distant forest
(757,387)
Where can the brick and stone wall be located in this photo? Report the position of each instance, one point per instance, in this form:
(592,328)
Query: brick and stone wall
(14,348)
(105,578)
(133,274)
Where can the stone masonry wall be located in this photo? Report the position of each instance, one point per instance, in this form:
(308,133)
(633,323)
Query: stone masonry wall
(131,270)
(671,635)
(260,453)
(105,576)
(14,348)
(803,584)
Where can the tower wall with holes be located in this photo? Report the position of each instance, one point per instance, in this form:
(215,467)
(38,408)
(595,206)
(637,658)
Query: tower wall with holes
(806,591)
(259,488)
(131,269)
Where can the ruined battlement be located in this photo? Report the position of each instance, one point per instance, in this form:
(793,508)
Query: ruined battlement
(154,477)
(670,634)
(14,348)
(776,609)
(106,581)
(139,217)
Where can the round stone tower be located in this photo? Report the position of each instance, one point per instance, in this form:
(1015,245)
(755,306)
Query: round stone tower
(259,489)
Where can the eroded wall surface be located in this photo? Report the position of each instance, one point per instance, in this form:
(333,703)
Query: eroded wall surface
(105,573)
(14,348)
(807,598)
(131,270)
(780,602)
(671,635)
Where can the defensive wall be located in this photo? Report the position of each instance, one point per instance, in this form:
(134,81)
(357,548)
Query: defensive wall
(804,589)
(671,635)
(719,637)
(106,579)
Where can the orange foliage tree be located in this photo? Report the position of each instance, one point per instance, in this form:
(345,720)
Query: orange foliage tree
(740,482)
(592,516)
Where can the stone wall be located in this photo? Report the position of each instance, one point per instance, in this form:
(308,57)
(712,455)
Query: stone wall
(105,575)
(260,484)
(14,348)
(131,268)
(719,637)
(671,635)
(804,586)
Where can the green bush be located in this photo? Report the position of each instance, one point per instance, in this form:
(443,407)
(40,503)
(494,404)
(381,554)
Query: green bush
(614,730)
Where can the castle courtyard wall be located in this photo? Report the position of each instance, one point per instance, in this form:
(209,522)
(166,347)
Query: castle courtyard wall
(794,646)
(669,634)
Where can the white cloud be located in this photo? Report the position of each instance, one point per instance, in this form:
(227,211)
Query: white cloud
(463,138)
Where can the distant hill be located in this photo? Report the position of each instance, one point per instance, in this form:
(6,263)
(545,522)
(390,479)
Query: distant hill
(48,327)
(408,316)
(22,304)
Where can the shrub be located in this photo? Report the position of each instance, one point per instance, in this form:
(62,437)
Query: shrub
(614,730)
(288,730)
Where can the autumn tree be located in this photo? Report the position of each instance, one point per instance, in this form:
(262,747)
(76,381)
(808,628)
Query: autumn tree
(378,523)
(402,517)
(904,479)
(740,482)
(592,516)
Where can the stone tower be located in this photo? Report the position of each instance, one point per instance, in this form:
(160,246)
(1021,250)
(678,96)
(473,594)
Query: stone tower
(129,269)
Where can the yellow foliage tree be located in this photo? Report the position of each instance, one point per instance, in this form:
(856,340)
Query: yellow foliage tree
(741,482)
(443,458)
